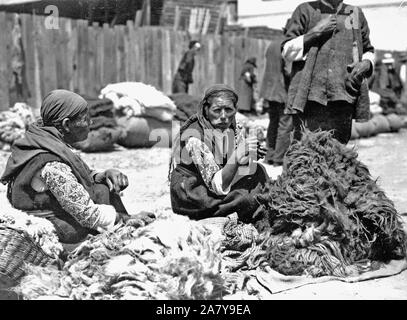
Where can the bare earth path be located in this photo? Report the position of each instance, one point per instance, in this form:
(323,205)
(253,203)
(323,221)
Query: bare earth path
(385,155)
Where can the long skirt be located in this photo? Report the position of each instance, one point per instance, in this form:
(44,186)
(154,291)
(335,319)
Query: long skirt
(191,197)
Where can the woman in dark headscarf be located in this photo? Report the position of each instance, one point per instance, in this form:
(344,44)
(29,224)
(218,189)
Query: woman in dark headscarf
(47,179)
(247,82)
(213,172)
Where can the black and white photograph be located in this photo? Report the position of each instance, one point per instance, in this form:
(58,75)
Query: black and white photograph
(215,152)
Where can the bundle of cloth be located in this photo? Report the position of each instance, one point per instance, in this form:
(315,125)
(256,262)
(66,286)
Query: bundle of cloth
(324,216)
(104,130)
(144,113)
(139,99)
(14,122)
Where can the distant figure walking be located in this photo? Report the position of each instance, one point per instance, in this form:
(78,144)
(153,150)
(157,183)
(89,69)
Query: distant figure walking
(247,82)
(183,77)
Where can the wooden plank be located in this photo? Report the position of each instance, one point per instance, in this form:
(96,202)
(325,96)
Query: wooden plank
(100,52)
(142,67)
(93,83)
(138,64)
(210,44)
(37,64)
(82,57)
(109,59)
(131,52)
(219,23)
(61,55)
(27,36)
(4,65)
(120,54)
(72,34)
(177,18)
(147,16)
(238,60)
(206,22)
(139,18)
(166,62)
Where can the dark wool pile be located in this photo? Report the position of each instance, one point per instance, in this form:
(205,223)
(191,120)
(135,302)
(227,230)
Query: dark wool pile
(326,196)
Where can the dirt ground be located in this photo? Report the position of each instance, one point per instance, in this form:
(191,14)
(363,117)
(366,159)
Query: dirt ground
(385,155)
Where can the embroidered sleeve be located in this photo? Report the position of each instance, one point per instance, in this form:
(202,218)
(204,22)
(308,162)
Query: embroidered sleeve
(203,159)
(74,199)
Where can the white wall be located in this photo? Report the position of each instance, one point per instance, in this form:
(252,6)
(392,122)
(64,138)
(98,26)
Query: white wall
(387,18)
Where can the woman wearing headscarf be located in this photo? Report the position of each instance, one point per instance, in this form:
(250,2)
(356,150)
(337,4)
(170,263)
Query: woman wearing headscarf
(247,82)
(213,170)
(47,179)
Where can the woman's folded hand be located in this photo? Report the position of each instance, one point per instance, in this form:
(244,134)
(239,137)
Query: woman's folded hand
(114,179)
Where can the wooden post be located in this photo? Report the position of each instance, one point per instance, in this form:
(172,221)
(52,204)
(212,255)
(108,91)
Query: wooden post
(148,12)
(206,22)
(4,65)
(139,18)
(177,18)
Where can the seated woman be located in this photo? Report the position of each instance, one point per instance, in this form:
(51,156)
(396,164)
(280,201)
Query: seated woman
(47,179)
(212,171)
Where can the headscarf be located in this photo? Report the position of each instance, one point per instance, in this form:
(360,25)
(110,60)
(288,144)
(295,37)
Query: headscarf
(201,118)
(252,61)
(44,137)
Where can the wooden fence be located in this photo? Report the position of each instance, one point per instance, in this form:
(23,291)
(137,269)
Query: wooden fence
(84,59)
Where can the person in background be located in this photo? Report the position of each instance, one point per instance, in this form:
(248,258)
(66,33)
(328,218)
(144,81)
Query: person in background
(47,179)
(273,91)
(183,77)
(402,72)
(388,85)
(212,171)
(326,88)
(247,82)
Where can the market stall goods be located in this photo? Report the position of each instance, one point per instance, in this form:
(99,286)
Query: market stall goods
(25,240)
(139,99)
(128,263)
(324,215)
(13,122)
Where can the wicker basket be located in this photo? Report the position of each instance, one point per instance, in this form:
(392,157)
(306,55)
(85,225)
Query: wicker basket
(17,249)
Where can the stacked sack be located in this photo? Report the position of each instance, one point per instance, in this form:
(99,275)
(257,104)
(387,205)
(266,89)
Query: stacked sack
(379,123)
(104,130)
(14,122)
(144,113)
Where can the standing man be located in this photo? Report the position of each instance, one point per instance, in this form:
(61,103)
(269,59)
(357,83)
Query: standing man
(247,83)
(328,43)
(273,90)
(183,77)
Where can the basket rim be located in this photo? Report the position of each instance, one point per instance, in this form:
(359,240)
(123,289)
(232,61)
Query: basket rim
(27,237)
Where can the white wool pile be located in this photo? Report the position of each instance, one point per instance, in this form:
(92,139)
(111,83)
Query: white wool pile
(137,98)
(40,230)
(172,258)
(13,122)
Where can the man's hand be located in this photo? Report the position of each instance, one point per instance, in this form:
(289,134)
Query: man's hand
(326,25)
(114,179)
(360,70)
